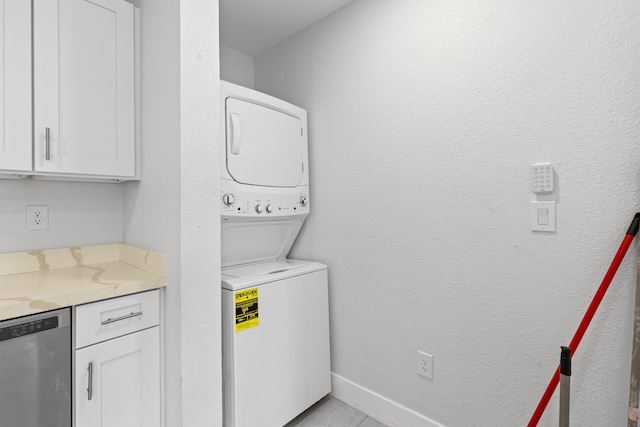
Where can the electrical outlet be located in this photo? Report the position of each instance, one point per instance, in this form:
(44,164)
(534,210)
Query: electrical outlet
(425,365)
(37,217)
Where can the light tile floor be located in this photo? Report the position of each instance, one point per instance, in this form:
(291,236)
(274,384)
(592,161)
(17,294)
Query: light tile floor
(331,412)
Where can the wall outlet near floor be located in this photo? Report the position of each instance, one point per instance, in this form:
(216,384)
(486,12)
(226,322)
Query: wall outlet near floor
(425,364)
(37,217)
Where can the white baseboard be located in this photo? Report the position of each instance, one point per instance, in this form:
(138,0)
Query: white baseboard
(376,406)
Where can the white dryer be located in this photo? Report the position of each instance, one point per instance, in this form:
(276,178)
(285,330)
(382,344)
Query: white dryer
(275,313)
(265,175)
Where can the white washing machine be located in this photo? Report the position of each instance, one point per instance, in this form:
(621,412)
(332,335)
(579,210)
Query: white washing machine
(275,311)
(276,336)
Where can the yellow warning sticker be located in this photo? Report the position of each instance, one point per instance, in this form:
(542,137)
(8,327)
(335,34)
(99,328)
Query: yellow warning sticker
(246,309)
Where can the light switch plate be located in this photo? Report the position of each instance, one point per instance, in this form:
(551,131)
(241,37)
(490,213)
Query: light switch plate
(543,216)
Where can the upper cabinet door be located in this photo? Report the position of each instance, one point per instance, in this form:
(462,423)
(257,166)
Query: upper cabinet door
(15,85)
(84,87)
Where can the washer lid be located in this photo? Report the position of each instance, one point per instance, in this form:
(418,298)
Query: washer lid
(256,274)
(264,268)
(264,145)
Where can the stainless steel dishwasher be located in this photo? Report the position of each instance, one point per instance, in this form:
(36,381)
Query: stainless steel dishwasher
(35,370)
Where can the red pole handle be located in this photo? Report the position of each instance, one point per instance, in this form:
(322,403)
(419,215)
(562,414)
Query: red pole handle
(586,320)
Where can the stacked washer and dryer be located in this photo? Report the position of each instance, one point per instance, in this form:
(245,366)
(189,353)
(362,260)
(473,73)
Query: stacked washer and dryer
(275,311)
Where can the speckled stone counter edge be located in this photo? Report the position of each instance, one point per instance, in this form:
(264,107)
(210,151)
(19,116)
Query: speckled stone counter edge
(37,281)
(40,260)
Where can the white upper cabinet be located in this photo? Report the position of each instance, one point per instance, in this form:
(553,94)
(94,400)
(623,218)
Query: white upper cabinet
(84,117)
(15,85)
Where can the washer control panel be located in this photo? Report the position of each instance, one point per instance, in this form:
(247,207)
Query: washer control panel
(255,205)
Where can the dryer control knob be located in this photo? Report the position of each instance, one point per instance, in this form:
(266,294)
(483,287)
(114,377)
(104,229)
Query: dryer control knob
(304,201)
(269,208)
(259,208)
(228,199)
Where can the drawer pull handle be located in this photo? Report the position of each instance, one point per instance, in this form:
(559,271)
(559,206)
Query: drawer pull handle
(117,319)
(90,385)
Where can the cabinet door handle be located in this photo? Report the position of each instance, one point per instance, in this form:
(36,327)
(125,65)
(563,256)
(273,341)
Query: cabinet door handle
(47,139)
(90,382)
(117,319)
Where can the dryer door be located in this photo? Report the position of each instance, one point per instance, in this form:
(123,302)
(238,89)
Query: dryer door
(264,146)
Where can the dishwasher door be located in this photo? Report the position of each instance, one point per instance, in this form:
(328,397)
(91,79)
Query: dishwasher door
(35,370)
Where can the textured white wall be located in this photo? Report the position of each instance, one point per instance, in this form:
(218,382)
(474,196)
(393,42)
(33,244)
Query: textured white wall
(424,120)
(163,211)
(79,214)
(200,214)
(151,217)
(236,67)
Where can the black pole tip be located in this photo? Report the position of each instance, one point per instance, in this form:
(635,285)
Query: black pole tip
(565,361)
(635,224)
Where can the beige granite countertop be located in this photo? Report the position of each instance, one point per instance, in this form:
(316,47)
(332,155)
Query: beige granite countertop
(36,281)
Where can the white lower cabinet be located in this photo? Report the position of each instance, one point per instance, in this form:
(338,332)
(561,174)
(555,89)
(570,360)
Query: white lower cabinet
(117,381)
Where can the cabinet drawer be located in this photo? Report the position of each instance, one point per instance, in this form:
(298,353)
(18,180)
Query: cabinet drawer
(104,320)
